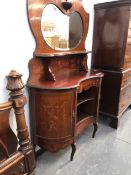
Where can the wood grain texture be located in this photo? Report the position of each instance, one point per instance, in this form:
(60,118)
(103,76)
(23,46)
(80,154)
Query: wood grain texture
(35,9)
(56,77)
(112,56)
(13,160)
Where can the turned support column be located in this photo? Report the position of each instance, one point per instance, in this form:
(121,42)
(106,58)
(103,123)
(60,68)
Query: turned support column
(15,86)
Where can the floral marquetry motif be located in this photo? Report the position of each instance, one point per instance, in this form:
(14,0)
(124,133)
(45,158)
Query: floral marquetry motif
(54,114)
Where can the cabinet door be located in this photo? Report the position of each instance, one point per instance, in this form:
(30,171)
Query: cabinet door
(110,35)
(54,111)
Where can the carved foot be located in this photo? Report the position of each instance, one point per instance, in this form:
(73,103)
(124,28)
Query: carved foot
(114,123)
(95,129)
(73,150)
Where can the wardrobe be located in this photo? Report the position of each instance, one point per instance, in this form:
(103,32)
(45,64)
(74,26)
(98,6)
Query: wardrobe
(112,55)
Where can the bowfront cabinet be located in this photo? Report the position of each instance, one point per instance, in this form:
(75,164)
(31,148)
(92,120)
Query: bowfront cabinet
(56,121)
(112,56)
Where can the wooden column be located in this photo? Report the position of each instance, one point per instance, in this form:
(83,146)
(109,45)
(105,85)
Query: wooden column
(15,85)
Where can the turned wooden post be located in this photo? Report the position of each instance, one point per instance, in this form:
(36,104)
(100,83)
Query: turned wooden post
(15,85)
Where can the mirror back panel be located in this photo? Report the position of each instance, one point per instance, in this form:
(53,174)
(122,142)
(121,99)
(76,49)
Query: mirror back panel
(61,32)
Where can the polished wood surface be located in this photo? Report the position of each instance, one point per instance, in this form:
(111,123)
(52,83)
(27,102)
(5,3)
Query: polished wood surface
(35,10)
(6,149)
(110,38)
(112,56)
(73,76)
(13,160)
(64,95)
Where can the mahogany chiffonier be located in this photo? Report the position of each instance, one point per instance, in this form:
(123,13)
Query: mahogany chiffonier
(64,95)
(112,56)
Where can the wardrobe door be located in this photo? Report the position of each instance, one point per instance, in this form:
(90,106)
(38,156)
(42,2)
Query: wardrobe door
(110,35)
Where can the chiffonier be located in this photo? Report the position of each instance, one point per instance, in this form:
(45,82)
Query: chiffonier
(64,95)
(112,56)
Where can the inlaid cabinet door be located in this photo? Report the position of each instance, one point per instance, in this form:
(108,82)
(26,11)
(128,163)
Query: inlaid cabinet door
(54,111)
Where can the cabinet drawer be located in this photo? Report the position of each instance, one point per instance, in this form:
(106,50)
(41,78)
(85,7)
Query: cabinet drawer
(85,85)
(125,98)
(123,101)
(125,79)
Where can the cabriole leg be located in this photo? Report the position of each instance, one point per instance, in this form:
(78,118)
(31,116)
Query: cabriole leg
(95,129)
(73,150)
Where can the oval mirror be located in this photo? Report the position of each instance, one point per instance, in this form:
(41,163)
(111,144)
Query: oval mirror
(60,31)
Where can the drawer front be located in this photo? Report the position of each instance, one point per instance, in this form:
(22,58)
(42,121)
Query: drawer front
(86,84)
(126,79)
(125,98)
(127,60)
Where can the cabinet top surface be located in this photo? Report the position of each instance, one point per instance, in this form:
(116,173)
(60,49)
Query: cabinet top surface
(72,81)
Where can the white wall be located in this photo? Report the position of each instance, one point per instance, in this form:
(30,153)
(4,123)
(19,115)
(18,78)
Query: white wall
(17,43)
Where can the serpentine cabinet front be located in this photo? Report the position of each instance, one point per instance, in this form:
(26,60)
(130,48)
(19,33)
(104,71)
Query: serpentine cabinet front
(64,95)
(52,113)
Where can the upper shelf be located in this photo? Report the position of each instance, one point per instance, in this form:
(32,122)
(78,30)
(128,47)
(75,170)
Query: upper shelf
(64,53)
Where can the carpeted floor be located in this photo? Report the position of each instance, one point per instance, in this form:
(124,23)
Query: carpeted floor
(109,153)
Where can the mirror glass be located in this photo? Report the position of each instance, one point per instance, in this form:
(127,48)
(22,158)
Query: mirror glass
(60,31)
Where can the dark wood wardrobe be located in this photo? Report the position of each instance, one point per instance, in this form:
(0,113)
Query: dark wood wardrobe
(112,56)
(64,95)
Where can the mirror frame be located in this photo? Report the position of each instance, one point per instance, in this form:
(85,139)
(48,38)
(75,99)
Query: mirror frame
(35,11)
